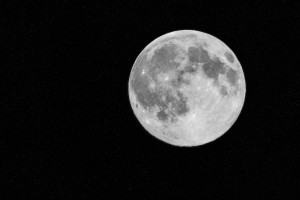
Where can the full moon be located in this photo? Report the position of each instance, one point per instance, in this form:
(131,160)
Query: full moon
(187,88)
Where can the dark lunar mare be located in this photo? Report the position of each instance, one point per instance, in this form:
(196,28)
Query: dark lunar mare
(212,67)
(229,56)
(232,76)
(162,61)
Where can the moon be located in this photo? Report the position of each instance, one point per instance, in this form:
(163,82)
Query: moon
(187,88)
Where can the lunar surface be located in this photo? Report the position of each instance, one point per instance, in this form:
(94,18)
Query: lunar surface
(187,88)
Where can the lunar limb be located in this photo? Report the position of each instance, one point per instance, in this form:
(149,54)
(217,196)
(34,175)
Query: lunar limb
(212,105)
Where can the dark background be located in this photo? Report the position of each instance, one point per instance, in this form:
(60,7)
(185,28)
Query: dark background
(67,128)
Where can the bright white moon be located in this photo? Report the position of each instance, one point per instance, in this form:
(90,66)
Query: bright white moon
(187,88)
